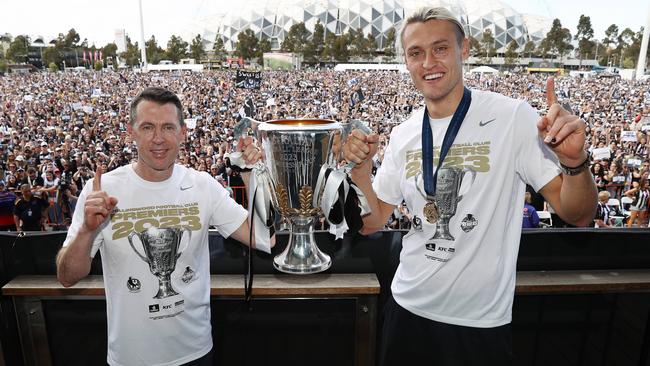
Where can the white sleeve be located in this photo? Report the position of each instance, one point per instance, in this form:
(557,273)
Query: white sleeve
(78,220)
(536,163)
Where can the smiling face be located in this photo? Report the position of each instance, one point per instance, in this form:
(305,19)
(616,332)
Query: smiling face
(434,59)
(158,135)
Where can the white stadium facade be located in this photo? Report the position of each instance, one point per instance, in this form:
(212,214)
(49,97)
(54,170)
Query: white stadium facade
(272,19)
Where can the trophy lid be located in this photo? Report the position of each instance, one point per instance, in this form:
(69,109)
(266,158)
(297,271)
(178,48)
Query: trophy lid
(301,124)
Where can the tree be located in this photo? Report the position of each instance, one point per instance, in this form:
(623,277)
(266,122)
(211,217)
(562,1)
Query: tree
(529,47)
(132,54)
(370,47)
(247,44)
(475,48)
(3,66)
(314,47)
(263,46)
(53,67)
(154,52)
(357,42)
(176,49)
(511,53)
(389,47)
(110,51)
(297,38)
(17,51)
(71,39)
(558,39)
(583,36)
(336,47)
(611,35)
(52,55)
(219,49)
(196,48)
(487,45)
(98,65)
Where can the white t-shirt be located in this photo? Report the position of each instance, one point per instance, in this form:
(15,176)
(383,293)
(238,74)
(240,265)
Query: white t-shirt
(468,280)
(175,329)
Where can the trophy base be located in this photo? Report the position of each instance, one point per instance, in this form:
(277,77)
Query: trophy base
(302,256)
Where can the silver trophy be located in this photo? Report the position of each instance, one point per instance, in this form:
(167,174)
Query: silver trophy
(298,155)
(161,250)
(296,151)
(447,196)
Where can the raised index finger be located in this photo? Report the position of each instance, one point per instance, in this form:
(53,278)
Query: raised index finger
(551,98)
(97,181)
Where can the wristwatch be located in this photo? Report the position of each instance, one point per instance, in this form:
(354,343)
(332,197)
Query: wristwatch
(578,169)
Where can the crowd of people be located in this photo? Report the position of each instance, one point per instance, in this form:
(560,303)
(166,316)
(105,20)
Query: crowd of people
(57,128)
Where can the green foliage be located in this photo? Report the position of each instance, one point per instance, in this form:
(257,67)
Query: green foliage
(197,51)
(264,46)
(487,47)
(511,53)
(247,45)
(98,65)
(154,52)
(176,49)
(475,48)
(3,66)
(53,67)
(17,51)
(336,48)
(558,39)
(389,47)
(584,35)
(611,35)
(219,48)
(52,55)
(110,51)
(529,48)
(132,54)
(297,39)
(70,39)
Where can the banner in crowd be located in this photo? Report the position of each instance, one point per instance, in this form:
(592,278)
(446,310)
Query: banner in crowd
(634,162)
(628,136)
(190,123)
(248,79)
(602,153)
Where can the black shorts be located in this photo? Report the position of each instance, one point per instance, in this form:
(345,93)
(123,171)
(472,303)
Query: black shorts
(409,339)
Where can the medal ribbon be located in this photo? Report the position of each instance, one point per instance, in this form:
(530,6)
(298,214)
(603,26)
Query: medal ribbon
(430,178)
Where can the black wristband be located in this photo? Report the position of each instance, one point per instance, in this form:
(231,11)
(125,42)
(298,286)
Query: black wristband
(576,170)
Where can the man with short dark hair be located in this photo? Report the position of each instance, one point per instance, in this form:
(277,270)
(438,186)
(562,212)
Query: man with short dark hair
(150,222)
(462,163)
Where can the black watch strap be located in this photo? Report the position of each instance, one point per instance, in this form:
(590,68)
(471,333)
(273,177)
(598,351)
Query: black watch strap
(576,170)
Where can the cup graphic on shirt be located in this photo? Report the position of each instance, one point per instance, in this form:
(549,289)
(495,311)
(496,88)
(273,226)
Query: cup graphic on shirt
(447,196)
(161,251)
(448,186)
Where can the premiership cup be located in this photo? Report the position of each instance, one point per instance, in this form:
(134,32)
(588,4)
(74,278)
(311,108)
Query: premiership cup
(161,251)
(296,152)
(448,186)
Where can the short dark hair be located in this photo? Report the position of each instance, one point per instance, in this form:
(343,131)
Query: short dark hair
(158,95)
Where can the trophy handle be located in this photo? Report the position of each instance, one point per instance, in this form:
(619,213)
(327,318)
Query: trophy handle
(130,237)
(189,238)
(242,127)
(347,130)
(465,171)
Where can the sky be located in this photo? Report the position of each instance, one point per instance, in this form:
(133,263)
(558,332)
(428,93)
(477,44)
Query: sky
(98,20)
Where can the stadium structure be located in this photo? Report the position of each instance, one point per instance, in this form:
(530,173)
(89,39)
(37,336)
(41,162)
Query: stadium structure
(272,20)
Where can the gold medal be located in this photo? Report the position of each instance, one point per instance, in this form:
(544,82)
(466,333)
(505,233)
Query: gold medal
(431,212)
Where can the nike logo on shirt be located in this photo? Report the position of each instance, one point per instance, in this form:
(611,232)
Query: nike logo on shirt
(185,188)
(486,122)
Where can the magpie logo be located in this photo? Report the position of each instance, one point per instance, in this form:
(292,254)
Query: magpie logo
(431,247)
(154,308)
(486,122)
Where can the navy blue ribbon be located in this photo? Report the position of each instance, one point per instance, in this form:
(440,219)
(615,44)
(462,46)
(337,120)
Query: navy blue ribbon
(430,178)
